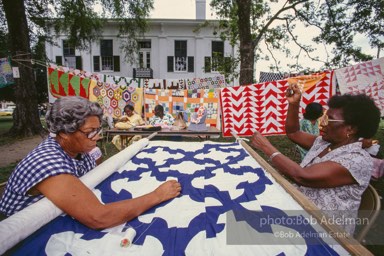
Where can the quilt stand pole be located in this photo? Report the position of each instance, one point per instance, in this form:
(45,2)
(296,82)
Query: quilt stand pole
(348,242)
(23,223)
(152,135)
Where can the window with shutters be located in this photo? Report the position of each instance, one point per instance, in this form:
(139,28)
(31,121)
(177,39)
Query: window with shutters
(68,50)
(217,55)
(106,55)
(69,55)
(144,54)
(180,60)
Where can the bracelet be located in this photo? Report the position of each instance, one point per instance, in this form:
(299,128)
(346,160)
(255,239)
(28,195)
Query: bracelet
(273,155)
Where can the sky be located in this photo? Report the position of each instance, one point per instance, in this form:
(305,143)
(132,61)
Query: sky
(185,9)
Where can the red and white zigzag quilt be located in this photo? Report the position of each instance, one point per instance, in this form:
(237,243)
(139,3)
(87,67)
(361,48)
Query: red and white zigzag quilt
(263,106)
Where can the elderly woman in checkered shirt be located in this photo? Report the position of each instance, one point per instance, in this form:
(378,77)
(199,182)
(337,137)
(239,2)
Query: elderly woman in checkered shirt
(53,169)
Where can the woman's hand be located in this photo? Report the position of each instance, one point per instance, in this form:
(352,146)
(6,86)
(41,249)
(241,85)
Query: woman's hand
(293,94)
(168,190)
(123,119)
(260,142)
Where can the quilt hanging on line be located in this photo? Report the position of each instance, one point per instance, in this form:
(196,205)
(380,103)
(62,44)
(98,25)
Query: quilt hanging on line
(111,96)
(219,181)
(174,84)
(364,78)
(189,101)
(78,72)
(189,83)
(6,73)
(206,82)
(270,76)
(61,83)
(263,107)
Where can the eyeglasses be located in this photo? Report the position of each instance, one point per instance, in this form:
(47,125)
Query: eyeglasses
(92,134)
(324,120)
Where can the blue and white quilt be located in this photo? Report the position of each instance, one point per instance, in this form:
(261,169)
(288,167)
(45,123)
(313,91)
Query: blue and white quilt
(216,179)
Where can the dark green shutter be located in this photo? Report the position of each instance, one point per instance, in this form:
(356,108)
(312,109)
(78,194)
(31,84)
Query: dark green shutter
(79,62)
(207,64)
(59,60)
(170,63)
(191,64)
(96,63)
(116,63)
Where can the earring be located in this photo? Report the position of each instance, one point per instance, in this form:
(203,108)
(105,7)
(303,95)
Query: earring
(347,135)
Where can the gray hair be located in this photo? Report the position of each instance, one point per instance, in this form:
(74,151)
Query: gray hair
(68,113)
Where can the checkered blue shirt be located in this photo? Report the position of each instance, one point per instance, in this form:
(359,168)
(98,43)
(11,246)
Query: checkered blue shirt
(46,160)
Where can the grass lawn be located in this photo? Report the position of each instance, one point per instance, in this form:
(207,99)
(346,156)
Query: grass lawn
(6,123)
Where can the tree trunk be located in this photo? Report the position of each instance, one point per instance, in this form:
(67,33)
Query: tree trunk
(246,46)
(26,121)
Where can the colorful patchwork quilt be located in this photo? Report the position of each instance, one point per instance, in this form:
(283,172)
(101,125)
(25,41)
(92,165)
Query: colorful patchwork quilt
(78,72)
(222,186)
(263,107)
(113,97)
(62,83)
(188,101)
(206,82)
(364,78)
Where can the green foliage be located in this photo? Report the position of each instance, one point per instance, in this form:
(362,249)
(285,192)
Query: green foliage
(38,53)
(4,44)
(343,20)
(272,25)
(82,23)
(30,22)
(79,21)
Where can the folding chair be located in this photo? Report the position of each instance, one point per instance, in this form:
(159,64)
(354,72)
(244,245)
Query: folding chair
(369,208)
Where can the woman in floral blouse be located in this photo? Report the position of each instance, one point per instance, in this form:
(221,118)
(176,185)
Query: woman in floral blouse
(336,170)
(161,118)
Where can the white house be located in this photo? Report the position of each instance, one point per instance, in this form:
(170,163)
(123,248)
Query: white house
(172,48)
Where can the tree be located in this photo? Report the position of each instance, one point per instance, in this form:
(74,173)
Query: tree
(272,23)
(30,20)
(26,120)
(344,20)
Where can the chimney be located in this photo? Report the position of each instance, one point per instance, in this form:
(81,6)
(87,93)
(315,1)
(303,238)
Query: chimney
(200,9)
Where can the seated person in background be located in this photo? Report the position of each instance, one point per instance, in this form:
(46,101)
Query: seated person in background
(336,170)
(129,120)
(309,123)
(53,169)
(161,118)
